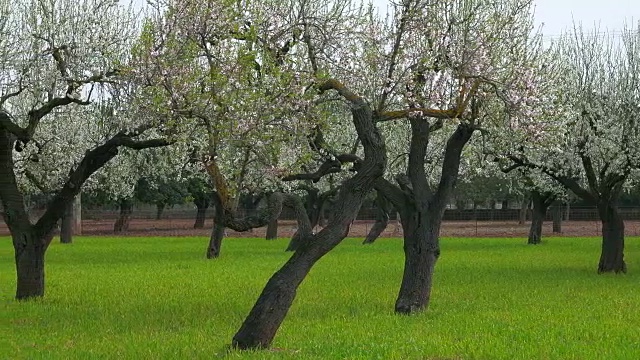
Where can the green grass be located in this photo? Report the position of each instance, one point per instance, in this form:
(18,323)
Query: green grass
(158,298)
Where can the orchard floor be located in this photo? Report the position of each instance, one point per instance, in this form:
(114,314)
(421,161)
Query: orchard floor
(360,228)
(158,298)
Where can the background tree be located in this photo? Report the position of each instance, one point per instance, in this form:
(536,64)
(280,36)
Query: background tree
(588,127)
(57,57)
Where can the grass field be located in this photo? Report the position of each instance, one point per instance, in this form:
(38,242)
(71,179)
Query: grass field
(158,298)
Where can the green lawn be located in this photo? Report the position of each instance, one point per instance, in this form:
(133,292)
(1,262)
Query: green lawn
(158,298)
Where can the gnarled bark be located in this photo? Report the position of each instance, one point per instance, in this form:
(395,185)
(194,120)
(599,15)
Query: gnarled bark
(305,227)
(225,218)
(421,249)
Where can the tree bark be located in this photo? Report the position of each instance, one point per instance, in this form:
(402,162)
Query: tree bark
(612,254)
(29,257)
(382,220)
(260,327)
(421,251)
(272,230)
(66,224)
(126,209)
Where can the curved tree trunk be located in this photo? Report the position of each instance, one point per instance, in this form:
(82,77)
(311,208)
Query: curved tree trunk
(272,230)
(160,210)
(295,242)
(260,327)
(126,209)
(612,255)
(382,220)
(67,224)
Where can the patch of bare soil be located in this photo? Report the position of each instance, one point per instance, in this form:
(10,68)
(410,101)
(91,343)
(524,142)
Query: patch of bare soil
(360,228)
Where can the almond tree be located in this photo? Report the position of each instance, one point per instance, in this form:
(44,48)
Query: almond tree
(208,63)
(462,58)
(57,57)
(587,129)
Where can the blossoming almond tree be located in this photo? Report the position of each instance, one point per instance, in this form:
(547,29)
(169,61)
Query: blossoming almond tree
(223,70)
(586,130)
(57,57)
(465,59)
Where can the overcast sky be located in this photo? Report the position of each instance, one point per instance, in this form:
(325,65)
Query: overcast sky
(558,15)
(609,15)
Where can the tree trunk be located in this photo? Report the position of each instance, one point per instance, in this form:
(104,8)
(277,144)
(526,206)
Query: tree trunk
(540,202)
(260,327)
(421,251)
(201,215)
(29,256)
(422,216)
(612,255)
(272,230)
(160,210)
(66,226)
(382,220)
(557,218)
(215,241)
(122,224)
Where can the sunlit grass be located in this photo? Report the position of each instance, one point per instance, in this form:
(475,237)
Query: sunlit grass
(158,298)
